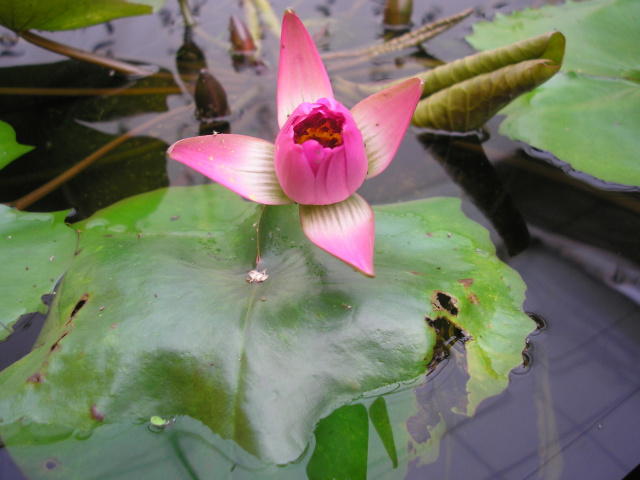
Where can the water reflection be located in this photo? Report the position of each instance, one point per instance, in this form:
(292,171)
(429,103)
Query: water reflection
(464,160)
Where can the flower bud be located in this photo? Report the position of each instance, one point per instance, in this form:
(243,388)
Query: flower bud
(211,99)
(320,157)
(241,40)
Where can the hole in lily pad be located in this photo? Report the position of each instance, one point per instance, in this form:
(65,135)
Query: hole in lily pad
(444,302)
(447,335)
(51,464)
(81,303)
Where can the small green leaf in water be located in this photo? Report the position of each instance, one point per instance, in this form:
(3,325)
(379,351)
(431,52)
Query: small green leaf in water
(157,421)
(342,444)
(380,420)
(9,148)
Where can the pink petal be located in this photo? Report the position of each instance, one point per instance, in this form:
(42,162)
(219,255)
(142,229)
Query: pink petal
(383,119)
(240,163)
(312,173)
(301,73)
(346,230)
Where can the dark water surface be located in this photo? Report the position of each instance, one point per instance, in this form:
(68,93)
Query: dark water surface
(574,410)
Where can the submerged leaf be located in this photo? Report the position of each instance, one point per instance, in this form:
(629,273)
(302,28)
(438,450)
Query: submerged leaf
(94,108)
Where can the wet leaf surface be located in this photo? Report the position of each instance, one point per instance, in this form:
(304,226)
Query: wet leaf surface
(37,249)
(155,317)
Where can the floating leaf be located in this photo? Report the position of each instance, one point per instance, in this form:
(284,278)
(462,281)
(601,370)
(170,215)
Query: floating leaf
(588,115)
(37,249)
(155,317)
(592,123)
(9,148)
(380,420)
(596,31)
(343,443)
(69,14)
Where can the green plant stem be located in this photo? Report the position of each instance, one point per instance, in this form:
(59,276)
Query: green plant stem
(189,21)
(64,177)
(269,17)
(405,41)
(118,66)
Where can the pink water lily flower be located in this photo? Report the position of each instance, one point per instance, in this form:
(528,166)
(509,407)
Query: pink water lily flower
(321,156)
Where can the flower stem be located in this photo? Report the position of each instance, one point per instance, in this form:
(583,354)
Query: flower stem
(187,16)
(268,15)
(118,66)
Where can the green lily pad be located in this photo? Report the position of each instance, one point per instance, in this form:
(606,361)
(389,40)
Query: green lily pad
(587,115)
(9,148)
(69,14)
(156,318)
(37,249)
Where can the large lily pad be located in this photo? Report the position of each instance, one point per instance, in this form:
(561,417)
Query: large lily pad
(587,115)
(68,14)
(156,317)
(36,250)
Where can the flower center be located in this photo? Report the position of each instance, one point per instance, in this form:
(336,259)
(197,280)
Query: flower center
(325,129)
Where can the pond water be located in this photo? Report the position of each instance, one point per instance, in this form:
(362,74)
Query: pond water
(572,410)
